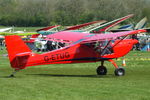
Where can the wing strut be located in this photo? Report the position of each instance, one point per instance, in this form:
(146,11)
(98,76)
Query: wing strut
(119,41)
(106,47)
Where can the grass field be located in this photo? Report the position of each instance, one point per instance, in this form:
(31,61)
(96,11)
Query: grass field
(27,29)
(77,81)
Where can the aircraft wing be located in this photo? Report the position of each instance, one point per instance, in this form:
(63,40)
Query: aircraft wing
(83,25)
(5,29)
(66,36)
(48,28)
(106,26)
(78,37)
(111,36)
(129,26)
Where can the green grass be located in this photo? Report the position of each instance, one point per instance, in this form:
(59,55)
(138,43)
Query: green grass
(77,81)
(27,29)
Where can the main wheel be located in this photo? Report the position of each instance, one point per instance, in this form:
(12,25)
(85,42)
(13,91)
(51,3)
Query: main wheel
(101,70)
(119,71)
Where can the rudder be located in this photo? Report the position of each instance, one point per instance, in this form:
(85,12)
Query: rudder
(18,51)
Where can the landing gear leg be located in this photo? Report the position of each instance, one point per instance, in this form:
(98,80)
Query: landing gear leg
(119,71)
(101,70)
(13,74)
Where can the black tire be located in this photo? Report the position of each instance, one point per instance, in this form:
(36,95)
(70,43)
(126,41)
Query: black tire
(119,71)
(101,70)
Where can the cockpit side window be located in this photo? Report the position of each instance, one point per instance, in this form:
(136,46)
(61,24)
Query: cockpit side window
(104,47)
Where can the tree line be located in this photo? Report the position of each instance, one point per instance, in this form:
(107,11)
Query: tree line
(69,12)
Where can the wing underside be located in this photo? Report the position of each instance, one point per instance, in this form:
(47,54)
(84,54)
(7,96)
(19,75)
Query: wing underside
(77,37)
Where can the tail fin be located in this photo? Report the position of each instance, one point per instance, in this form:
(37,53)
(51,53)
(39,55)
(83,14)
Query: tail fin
(18,51)
(141,24)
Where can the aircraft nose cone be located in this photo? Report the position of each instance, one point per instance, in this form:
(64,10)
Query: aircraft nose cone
(134,41)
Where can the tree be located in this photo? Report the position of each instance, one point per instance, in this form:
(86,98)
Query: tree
(68,12)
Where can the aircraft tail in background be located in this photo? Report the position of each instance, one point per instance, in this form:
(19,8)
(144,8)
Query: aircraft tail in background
(141,24)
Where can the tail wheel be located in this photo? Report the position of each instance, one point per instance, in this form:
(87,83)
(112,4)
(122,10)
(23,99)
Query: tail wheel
(101,70)
(119,71)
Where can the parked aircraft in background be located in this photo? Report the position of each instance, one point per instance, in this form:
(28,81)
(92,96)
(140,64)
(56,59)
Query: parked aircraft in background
(46,31)
(96,26)
(140,25)
(5,29)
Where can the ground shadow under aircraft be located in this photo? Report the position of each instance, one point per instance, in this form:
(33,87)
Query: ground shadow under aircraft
(62,75)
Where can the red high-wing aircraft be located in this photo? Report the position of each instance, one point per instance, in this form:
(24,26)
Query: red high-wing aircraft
(83,48)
